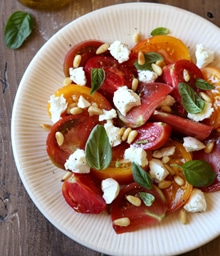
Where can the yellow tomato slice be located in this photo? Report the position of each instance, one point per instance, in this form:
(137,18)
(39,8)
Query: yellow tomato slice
(171,48)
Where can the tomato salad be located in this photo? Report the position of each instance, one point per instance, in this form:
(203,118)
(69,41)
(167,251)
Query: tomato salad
(137,130)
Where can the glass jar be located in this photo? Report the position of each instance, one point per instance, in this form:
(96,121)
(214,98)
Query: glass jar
(45,4)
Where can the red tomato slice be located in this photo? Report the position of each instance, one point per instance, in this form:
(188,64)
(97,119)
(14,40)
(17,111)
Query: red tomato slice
(119,171)
(86,49)
(151,95)
(139,216)
(152,135)
(183,125)
(214,159)
(171,48)
(173,75)
(83,195)
(116,74)
(76,130)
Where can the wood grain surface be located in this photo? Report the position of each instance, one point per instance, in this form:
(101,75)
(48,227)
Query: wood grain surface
(24,231)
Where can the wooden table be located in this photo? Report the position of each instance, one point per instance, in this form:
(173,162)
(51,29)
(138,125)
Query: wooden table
(23,229)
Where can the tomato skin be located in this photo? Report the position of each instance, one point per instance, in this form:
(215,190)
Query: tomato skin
(171,48)
(86,49)
(151,95)
(82,193)
(71,126)
(183,125)
(140,216)
(116,75)
(156,134)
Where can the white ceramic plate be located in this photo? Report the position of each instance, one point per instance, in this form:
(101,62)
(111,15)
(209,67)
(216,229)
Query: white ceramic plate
(44,75)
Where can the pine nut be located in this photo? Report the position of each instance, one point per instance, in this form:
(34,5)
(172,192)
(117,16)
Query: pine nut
(209,147)
(94,110)
(67,81)
(122,222)
(72,105)
(186,75)
(164,184)
(166,109)
(165,159)
(169,169)
(126,133)
(160,63)
(77,60)
(46,127)
(141,58)
(59,138)
(66,176)
(121,131)
(131,136)
(183,216)
(179,181)
(134,84)
(102,48)
(157,69)
(136,37)
(75,111)
(136,201)
(205,97)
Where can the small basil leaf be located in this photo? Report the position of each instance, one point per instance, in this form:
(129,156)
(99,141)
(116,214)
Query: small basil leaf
(147,198)
(141,176)
(199,173)
(159,31)
(204,85)
(141,142)
(190,99)
(98,76)
(98,149)
(18,27)
(150,58)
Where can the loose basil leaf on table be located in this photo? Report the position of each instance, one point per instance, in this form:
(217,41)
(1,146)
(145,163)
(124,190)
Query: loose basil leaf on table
(18,27)
(98,149)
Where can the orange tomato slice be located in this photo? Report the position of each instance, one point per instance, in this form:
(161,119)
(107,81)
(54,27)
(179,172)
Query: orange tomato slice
(171,48)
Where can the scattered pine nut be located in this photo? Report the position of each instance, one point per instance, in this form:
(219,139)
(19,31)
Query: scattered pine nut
(121,131)
(67,81)
(186,75)
(183,216)
(72,105)
(164,184)
(94,110)
(77,60)
(136,201)
(179,180)
(157,69)
(102,48)
(76,110)
(165,159)
(59,138)
(141,58)
(131,136)
(166,109)
(205,97)
(66,176)
(169,169)
(46,127)
(134,84)
(126,133)
(160,63)
(209,147)
(122,222)
(136,37)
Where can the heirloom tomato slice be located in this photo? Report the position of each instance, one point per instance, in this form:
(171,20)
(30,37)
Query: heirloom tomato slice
(85,49)
(83,194)
(175,194)
(139,216)
(171,48)
(118,170)
(152,135)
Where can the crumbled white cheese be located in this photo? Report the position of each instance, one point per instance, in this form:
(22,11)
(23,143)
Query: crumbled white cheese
(168,101)
(157,170)
(196,202)
(192,144)
(136,155)
(77,162)
(57,106)
(204,56)
(163,152)
(108,114)
(83,103)
(147,76)
(205,113)
(113,133)
(125,99)
(110,188)
(119,51)
(78,76)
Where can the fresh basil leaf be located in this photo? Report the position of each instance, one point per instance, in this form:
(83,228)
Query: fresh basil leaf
(98,76)
(141,176)
(150,58)
(141,142)
(159,31)
(204,85)
(190,99)
(18,27)
(98,149)
(147,198)
(199,173)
